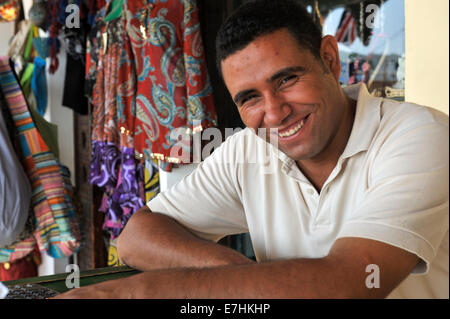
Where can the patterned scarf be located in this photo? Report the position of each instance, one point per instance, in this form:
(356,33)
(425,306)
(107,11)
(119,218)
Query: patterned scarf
(57,231)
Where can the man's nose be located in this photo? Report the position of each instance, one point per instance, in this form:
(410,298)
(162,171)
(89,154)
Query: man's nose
(276,110)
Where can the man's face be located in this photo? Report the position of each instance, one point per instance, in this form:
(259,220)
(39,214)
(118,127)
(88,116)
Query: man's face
(276,84)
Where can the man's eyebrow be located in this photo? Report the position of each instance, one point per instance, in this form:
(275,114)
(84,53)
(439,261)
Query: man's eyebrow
(287,71)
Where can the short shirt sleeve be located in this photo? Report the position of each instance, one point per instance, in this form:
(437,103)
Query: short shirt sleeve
(207,201)
(406,201)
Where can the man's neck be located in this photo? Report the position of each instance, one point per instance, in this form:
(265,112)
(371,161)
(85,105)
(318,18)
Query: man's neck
(318,169)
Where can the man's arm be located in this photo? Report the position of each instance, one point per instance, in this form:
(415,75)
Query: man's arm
(341,274)
(154,241)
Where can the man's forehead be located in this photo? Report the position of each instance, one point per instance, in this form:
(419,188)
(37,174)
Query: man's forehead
(279,49)
(276,42)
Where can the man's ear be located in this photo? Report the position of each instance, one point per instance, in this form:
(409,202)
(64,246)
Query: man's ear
(330,55)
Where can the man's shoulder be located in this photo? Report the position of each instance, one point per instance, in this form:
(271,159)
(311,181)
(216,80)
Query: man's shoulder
(411,130)
(411,115)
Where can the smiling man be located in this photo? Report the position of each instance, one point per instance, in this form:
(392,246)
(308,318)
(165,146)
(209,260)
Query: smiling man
(355,207)
(277,84)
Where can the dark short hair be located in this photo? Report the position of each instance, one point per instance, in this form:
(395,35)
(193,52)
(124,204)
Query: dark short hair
(261,17)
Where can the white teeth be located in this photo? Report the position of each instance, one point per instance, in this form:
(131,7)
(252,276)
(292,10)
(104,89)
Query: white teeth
(293,130)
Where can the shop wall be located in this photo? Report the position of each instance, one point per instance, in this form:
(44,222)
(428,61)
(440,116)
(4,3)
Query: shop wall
(6,32)
(427,53)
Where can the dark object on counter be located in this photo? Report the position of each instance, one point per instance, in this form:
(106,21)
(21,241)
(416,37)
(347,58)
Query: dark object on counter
(58,284)
(30,291)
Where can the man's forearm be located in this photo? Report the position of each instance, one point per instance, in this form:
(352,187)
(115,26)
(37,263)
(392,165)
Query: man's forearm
(154,241)
(341,274)
(270,280)
(302,278)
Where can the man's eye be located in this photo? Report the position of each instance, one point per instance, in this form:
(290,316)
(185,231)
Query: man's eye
(288,80)
(247,99)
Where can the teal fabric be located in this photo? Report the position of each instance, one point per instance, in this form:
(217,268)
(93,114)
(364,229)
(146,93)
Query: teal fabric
(39,85)
(41,47)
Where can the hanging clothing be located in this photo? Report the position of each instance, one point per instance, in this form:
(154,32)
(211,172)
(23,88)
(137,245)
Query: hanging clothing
(92,53)
(18,44)
(25,241)
(73,94)
(148,183)
(110,93)
(48,131)
(113,256)
(57,231)
(141,92)
(54,28)
(113,164)
(173,90)
(15,190)
(39,85)
(74,83)
(25,267)
(150,187)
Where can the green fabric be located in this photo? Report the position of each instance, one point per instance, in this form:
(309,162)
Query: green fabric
(116,10)
(48,131)
(25,80)
(29,45)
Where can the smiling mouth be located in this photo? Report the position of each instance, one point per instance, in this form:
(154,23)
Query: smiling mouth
(293,130)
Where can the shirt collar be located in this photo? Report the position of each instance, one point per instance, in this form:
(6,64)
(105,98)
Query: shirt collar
(366,122)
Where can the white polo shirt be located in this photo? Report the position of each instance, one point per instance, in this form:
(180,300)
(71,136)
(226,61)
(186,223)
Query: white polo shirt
(390,184)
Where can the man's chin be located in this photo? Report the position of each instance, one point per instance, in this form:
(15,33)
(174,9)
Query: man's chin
(296,156)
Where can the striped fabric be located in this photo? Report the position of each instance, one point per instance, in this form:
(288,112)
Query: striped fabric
(57,231)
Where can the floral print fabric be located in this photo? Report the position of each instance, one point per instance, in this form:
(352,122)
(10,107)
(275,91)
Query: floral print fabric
(146,72)
(173,89)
